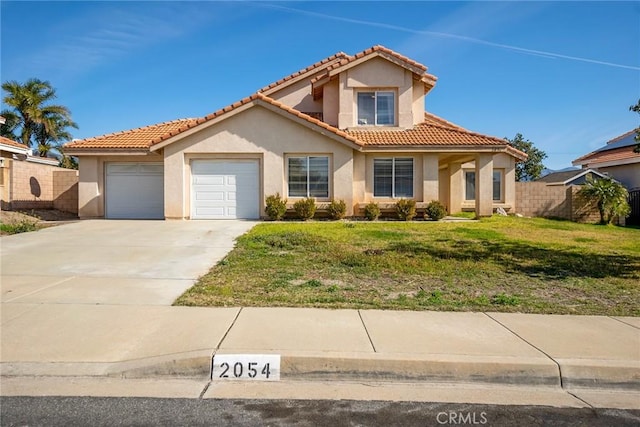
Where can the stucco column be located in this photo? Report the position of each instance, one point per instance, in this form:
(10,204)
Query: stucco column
(430,184)
(455,187)
(484,185)
(88,191)
(175,187)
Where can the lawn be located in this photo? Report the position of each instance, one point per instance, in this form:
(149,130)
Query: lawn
(496,264)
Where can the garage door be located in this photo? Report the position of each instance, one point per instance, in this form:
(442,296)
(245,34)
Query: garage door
(134,191)
(225,189)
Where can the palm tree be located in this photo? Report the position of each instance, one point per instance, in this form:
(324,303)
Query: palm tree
(50,134)
(30,109)
(610,196)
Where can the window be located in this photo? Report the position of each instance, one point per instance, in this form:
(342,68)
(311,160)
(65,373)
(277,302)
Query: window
(376,108)
(470,185)
(393,177)
(309,176)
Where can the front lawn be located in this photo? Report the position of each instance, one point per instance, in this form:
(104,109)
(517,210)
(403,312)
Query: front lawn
(497,264)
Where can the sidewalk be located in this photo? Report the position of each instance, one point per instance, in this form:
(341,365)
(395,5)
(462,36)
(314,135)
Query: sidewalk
(568,352)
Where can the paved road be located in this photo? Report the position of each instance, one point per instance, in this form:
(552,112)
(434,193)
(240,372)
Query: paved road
(70,411)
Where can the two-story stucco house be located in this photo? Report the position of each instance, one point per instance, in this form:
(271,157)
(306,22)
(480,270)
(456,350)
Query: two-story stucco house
(348,127)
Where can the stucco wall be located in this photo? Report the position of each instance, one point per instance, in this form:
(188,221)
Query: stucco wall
(91,185)
(378,74)
(298,96)
(628,175)
(257,133)
(502,162)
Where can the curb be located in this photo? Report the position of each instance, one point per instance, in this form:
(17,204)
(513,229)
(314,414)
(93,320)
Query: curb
(319,366)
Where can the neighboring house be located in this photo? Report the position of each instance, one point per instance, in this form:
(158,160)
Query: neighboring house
(350,127)
(33,182)
(616,159)
(573,177)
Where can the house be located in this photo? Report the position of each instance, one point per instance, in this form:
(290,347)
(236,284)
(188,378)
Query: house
(33,182)
(617,159)
(571,177)
(350,127)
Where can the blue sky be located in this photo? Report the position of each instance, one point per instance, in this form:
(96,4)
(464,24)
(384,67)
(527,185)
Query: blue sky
(561,73)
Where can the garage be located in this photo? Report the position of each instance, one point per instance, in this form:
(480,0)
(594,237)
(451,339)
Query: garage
(225,189)
(134,191)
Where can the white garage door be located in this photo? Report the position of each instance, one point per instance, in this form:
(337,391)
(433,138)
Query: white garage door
(225,189)
(134,191)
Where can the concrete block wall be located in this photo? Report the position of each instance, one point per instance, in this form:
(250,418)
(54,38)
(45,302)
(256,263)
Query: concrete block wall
(554,201)
(540,199)
(38,186)
(65,190)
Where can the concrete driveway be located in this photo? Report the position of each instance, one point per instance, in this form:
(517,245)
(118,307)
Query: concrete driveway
(112,262)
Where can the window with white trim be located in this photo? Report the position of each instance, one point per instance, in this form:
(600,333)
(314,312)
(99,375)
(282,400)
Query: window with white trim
(470,185)
(376,108)
(308,176)
(393,177)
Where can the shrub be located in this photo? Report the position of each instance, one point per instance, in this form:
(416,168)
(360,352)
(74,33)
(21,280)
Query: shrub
(372,211)
(406,209)
(435,210)
(337,209)
(305,208)
(276,207)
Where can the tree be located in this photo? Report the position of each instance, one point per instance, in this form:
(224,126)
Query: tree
(636,108)
(531,168)
(32,120)
(610,196)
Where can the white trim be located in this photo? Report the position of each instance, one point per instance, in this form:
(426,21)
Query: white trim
(43,161)
(375,92)
(12,149)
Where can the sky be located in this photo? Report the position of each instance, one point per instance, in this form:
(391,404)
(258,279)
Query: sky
(563,74)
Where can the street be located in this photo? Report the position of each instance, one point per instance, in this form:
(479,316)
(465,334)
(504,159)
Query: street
(92,411)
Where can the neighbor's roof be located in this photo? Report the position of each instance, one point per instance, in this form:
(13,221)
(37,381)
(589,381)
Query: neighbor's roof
(12,143)
(139,138)
(618,150)
(566,177)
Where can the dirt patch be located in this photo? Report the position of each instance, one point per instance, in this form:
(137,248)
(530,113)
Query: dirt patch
(42,217)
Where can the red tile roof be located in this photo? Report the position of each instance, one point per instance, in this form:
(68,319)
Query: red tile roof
(254,98)
(133,139)
(313,67)
(430,118)
(427,133)
(12,143)
(623,155)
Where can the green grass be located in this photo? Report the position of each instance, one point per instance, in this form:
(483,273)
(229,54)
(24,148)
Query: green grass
(496,264)
(23,226)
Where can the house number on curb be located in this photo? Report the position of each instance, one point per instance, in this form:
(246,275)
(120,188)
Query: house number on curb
(252,367)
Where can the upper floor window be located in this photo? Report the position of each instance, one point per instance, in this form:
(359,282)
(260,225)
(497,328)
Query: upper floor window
(308,176)
(376,108)
(393,177)
(470,185)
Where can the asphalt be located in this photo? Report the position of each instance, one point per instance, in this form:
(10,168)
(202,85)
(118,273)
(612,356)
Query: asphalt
(90,300)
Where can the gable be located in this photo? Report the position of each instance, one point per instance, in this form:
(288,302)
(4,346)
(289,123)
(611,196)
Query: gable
(377,72)
(258,130)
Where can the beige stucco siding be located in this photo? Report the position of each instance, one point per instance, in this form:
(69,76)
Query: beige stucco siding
(503,163)
(91,181)
(260,134)
(628,175)
(378,74)
(298,96)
